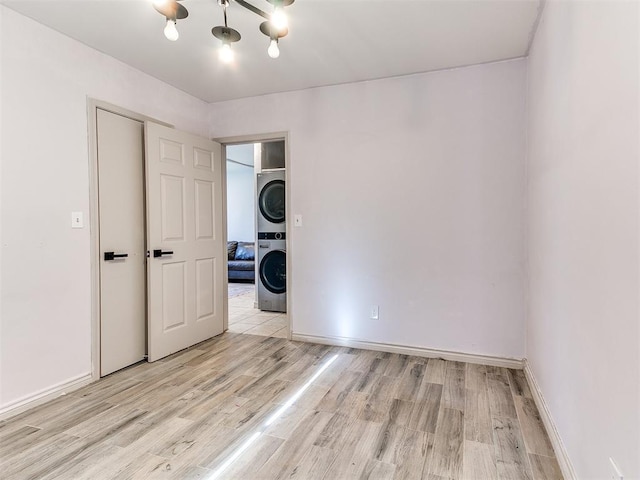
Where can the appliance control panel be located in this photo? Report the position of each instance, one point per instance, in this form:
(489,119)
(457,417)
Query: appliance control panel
(272,235)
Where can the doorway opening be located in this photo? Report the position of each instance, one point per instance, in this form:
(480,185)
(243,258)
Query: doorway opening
(257,238)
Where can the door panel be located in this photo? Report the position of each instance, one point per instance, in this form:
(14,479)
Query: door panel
(202,159)
(171,152)
(205,286)
(174,292)
(205,208)
(185,218)
(122,230)
(172,207)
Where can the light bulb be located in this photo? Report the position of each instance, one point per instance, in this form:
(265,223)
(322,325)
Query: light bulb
(226,54)
(159,3)
(170,30)
(273,50)
(279,19)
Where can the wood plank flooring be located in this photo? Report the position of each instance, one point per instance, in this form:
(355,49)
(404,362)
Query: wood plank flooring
(368,415)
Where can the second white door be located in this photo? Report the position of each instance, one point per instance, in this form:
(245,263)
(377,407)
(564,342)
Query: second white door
(185,240)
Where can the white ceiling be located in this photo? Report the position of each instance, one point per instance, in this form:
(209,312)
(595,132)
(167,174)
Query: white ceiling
(329,41)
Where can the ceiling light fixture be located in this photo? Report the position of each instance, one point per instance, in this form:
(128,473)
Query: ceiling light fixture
(172,11)
(170,30)
(226,53)
(226,35)
(273,50)
(275,27)
(274,34)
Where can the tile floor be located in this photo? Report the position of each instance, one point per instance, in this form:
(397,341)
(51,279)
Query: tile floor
(243,318)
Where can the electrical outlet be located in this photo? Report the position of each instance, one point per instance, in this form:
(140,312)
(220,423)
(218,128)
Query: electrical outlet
(616,474)
(375,312)
(297,220)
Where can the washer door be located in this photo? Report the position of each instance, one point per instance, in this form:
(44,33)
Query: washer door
(273,271)
(271,201)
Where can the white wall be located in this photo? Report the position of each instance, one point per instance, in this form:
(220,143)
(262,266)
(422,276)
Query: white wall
(412,196)
(583,330)
(45,297)
(241,199)
(243,153)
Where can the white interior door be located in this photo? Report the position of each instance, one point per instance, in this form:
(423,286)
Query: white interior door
(185,240)
(122,232)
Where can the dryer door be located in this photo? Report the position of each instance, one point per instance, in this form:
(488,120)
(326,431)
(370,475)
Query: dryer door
(271,201)
(273,271)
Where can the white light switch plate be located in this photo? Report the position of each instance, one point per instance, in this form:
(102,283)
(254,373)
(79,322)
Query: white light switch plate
(297,220)
(76,220)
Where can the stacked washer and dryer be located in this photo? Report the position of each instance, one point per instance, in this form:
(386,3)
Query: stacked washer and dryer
(272,259)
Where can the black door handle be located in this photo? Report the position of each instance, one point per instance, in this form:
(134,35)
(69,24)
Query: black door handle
(112,256)
(159,253)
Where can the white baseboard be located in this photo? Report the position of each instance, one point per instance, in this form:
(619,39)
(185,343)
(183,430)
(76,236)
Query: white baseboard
(416,351)
(556,441)
(18,406)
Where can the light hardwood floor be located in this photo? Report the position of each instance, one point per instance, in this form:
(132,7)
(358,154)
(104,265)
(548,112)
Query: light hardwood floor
(366,415)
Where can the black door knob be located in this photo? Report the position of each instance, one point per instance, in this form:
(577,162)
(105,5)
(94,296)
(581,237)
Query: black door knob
(112,256)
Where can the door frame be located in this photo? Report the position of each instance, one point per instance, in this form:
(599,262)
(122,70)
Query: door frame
(259,138)
(93,105)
